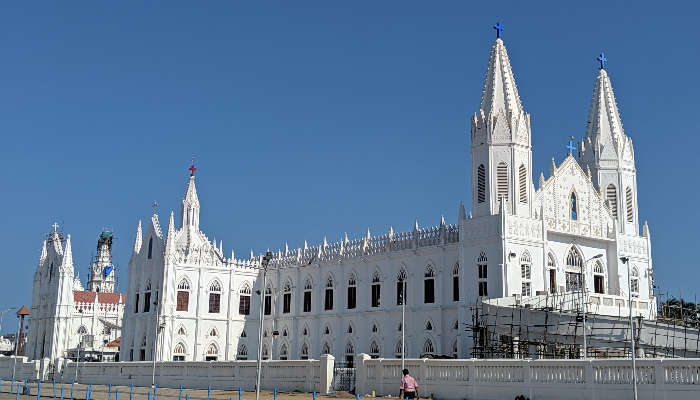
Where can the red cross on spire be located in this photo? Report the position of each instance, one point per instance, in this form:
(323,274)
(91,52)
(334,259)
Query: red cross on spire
(192,168)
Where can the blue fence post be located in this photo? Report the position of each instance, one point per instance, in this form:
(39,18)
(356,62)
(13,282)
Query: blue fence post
(314,396)
(116,394)
(274,394)
(109,392)
(155,390)
(18,392)
(61,392)
(53,384)
(240,393)
(209,392)
(187,396)
(131,392)
(357,396)
(149,395)
(89,391)
(71,389)
(38,389)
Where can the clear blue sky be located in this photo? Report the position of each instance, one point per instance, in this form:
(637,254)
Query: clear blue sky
(315,118)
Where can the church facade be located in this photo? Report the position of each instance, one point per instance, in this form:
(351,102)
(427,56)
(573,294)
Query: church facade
(187,300)
(67,321)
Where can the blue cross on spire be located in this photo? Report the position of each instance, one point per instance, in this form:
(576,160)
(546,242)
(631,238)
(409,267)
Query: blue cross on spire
(602,60)
(571,146)
(499,28)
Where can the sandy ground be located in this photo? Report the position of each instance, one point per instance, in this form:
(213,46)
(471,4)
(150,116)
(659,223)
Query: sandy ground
(100,392)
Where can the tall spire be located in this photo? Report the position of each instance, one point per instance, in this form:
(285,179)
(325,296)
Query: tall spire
(190,204)
(604,132)
(44,252)
(170,239)
(500,92)
(67,264)
(138,239)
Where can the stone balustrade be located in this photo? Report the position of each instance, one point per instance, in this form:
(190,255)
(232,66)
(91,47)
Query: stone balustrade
(599,379)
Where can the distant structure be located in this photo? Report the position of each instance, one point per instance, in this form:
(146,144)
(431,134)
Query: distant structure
(519,242)
(66,320)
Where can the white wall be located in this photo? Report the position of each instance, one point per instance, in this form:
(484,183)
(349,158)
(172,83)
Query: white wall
(537,379)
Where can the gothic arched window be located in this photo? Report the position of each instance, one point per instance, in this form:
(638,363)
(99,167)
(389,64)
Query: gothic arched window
(183,295)
(352,292)
(482,265)
(400,285)
(481,184)
(630,206)
(376,289)
(287,297)
(574,207)
(304,352)
(283,352)
(428,347)
(502,181)
(611,198)
(328,299)
(522,182)
(150,248)
(429,285)
(455,282)
(574,265)
(244,299)
(526,274)
(308,285)
(242,353)
(215,297)
(374,349)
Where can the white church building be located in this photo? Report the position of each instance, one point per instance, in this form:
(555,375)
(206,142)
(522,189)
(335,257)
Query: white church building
(67,321)
(344,298)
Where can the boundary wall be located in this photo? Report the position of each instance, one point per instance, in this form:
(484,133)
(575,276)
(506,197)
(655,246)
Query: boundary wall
(23,368)
(599,379)
(288,376)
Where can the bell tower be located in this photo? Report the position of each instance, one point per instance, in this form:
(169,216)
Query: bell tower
(609,154)
(501,150)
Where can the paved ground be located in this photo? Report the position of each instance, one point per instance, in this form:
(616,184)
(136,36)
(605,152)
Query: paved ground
(141,393)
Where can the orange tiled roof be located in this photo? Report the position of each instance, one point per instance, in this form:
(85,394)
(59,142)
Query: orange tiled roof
(104,298)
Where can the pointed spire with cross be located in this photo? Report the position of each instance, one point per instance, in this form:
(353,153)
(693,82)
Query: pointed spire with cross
(499,28)
(601,58)
(155,207)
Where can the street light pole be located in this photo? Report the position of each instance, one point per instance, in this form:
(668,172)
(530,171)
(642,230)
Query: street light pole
(583,295)
(155,343)
(265,261)
(626,260)
(14,363)
(403,323)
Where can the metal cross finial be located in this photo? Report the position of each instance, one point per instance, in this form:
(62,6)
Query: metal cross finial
(55,226)
(602,60)
(192,168)
(571,146)
(499,28)
(155,206)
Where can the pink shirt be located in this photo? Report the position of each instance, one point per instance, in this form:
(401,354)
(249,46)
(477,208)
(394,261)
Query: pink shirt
(408,384)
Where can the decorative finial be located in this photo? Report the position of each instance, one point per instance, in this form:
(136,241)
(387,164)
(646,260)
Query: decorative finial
(602,60)
(571,146)
(499,28)
(55,227)
(192,168)
(155,206)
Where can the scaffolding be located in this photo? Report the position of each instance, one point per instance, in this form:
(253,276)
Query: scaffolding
(553,329)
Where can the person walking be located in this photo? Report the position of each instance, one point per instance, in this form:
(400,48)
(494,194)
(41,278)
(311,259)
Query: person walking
(409,386)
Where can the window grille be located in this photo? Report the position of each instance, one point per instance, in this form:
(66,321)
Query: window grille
(522,178)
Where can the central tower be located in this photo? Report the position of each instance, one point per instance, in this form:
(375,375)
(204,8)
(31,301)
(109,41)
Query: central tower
(501,151)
